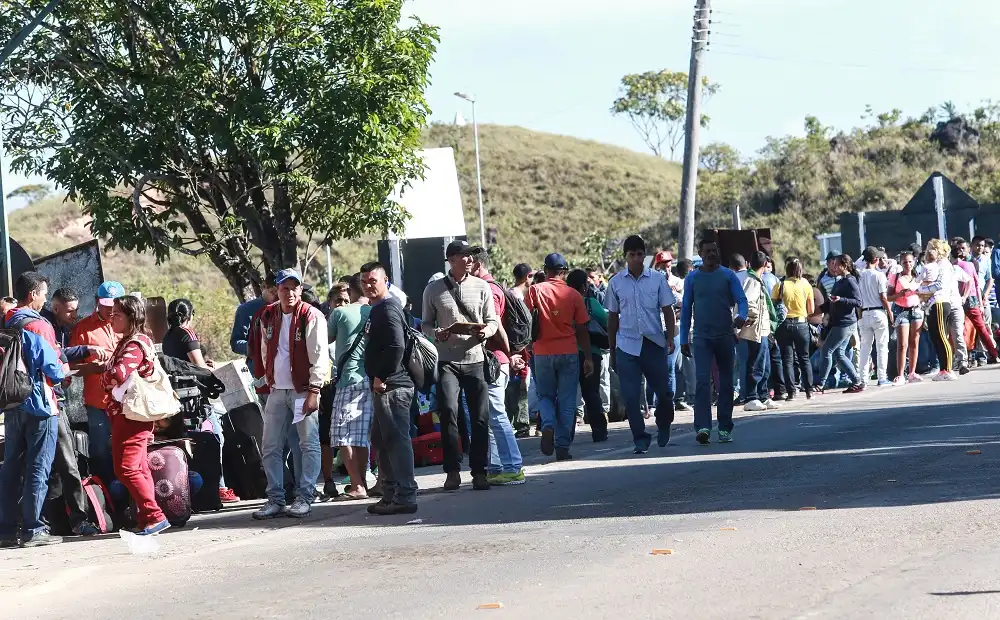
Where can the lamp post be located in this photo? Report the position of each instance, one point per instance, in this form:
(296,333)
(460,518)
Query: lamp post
(479,177)
(6,285)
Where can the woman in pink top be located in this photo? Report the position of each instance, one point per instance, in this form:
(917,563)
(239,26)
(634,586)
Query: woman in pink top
(909,317)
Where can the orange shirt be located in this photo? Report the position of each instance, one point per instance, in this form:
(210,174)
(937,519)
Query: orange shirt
(560,310)
(93,331)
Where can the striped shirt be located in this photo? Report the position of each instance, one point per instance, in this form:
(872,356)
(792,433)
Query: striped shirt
(873,285)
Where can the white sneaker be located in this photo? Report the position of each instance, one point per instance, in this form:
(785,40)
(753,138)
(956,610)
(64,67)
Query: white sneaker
(914,378)
(944,376)
(770,404)
(755,405)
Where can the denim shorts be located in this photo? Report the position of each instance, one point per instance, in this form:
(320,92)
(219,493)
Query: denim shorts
(905,316)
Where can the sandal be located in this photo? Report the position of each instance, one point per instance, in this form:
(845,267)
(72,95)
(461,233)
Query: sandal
(351,496)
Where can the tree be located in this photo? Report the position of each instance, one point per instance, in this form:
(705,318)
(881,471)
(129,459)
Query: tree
(249,131)
(655,103)
(719,157)
(33,192)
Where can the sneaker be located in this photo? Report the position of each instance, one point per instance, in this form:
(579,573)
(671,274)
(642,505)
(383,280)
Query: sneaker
(663,437)
(227,496)
(599,436)
(704,436)
(386,509)
(945,376)
(8,543)
(86,528)
(548,441)
(269,510)
(771,405)
(914,378)
(755,405)
(523,433)
(900,380)
(562,454)
(154,529)
(964,370)
(857,388)
(480,482)
(300,508)
(453,481)
(507,479)
(725,437)
(884,383)
(42,539)
(682,406)
(642,445)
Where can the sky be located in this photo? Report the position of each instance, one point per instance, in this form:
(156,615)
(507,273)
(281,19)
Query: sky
(555,65)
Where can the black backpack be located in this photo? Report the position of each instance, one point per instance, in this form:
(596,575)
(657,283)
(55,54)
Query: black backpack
(15,384)
(516,321)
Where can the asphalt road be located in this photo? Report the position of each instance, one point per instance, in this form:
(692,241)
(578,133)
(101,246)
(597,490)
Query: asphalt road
(851,507)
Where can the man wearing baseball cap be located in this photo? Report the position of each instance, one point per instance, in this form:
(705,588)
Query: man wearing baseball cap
(460,297)
(294,359)
(562,332)
(95,331)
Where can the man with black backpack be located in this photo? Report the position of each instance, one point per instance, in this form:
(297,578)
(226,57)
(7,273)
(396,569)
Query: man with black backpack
(392,393)
(28,363)
(504,468)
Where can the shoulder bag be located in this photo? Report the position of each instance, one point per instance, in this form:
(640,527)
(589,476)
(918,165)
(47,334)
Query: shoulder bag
(491,365)
(152,398)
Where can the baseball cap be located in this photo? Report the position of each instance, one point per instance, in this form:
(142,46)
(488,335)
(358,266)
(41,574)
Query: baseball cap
(556,261)
(108,292)
(832,255)
(287,274)
(663,257)
(461,247)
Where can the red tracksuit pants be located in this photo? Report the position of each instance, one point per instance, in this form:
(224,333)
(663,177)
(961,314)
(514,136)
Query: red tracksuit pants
(128,449)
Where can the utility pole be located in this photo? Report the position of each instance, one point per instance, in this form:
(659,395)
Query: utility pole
(689,179)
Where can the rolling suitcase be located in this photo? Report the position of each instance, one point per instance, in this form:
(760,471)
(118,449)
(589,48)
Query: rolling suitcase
(206,461)
(169,465)
(243,429)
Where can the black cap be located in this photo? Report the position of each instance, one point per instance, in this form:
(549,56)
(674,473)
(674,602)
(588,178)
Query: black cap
(831,256)
(522,270)
(556,262)
(458,246)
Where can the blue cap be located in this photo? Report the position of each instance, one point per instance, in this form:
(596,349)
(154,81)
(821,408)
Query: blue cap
(556,261)
(108,292)
(287,274)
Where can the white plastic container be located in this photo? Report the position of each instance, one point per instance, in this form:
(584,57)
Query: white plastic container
(239,384)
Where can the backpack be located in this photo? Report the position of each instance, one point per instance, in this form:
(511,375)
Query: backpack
(15,384)
(598,335)
(516,321)
(420,357)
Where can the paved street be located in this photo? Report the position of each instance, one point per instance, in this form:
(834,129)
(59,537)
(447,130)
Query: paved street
(901,522)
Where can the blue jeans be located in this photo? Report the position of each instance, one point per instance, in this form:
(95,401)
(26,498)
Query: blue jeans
(742,360)
(395,457)
(758,370)
(278,427)
(31,446)
(672,366)
(835,350)
(215,419)
(557,380)
(505,456)
(722,351)
(651,363)
(99,436)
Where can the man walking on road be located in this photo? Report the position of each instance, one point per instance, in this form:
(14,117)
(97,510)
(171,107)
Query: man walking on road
(876,317)
(392,391)
(295,360)
(713,290)
(465,302)
(641,327)
(504,468)
(562,332)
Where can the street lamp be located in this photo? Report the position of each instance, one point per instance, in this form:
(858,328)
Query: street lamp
(479,177)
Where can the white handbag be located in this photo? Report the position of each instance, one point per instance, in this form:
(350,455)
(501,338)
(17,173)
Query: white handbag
(148,399)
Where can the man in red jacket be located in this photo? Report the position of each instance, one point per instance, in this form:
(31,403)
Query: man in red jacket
(295,363)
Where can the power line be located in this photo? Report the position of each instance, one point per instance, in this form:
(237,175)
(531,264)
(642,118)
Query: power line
(845,65)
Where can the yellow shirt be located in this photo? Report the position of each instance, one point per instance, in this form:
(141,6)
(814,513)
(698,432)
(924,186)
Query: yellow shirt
(795,295)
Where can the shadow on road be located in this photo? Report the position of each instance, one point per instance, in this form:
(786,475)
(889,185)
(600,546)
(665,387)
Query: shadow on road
(880,457)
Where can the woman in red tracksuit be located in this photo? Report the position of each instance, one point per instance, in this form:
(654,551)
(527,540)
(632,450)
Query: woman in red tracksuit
(128,437)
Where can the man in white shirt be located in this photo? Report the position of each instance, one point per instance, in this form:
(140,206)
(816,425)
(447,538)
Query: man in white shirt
(876,316)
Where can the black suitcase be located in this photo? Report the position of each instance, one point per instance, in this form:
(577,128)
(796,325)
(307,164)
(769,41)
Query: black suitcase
(243,429)
(206,461)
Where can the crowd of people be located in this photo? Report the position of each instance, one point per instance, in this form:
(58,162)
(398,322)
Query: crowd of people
(336,379)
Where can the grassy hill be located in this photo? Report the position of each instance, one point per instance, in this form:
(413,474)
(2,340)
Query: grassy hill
(543,193)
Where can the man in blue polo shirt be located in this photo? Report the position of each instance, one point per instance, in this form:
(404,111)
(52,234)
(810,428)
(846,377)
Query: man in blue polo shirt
(713,290)
(641,326)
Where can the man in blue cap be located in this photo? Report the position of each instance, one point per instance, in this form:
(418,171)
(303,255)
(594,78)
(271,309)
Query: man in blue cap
(561,333)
